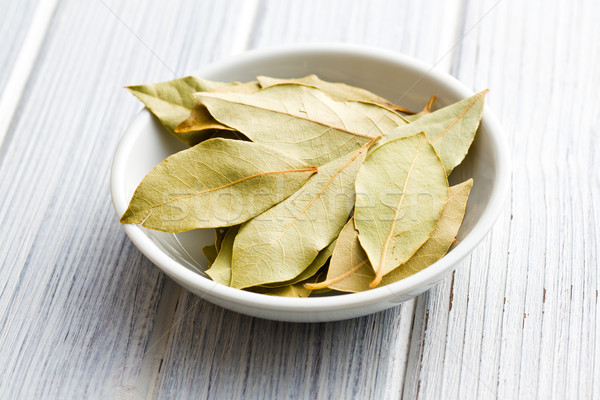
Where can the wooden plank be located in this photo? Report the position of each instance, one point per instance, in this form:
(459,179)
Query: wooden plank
(84,314)
(524,305)
(425,31)
(78,303)
(217,354)
(24,38)
(214,353)
(14,25)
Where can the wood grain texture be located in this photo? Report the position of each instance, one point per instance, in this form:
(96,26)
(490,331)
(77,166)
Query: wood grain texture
(77,300)
(426,31)
(14,24)
(84,315)
(216,354)
(518,318)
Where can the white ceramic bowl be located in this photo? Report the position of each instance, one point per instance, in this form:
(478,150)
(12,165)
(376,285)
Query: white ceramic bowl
(397,77)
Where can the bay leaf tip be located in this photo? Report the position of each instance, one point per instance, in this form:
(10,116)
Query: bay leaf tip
(126,218)
(131,217)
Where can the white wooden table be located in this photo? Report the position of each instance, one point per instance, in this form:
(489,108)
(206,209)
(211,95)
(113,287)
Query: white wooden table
(84,315)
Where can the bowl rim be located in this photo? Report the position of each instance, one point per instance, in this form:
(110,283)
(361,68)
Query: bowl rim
(391,292)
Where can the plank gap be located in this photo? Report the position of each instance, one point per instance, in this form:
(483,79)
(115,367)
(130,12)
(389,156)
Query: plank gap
(23,66)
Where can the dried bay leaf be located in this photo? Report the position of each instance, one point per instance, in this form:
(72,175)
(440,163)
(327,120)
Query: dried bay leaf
(220,269)
(398,203)
(280,243)
(451,129)
(311,270)
(347,258)
(348,274)
(172,101)
(337,91)
(216,183)
(298,289)
(442,236)
(295,290)
(197,125)
(294,229)
(200,125)
(302,121)
(220,236)
(210,252)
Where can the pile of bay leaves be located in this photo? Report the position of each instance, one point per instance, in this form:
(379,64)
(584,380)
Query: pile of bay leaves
(310,185)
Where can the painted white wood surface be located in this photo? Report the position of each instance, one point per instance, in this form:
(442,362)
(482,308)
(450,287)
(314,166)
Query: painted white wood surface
(84,315)
(78,303)
(519,317)
(24,39)
(14,24)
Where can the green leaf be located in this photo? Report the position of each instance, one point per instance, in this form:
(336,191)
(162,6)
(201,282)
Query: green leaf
(280,243)
(172,101)
(337,91)
(216,183)
(301,121)
(348,271)
(220,269)
(400,191)
(451,129)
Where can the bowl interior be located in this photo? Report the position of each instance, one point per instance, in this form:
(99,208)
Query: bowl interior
(399,79)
